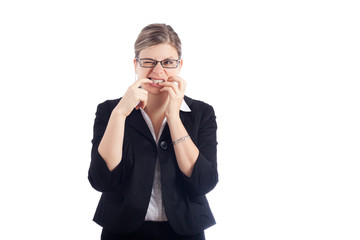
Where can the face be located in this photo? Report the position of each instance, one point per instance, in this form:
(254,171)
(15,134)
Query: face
(157,52)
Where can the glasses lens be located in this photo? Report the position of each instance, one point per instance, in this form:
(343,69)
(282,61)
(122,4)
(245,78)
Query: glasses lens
(169,63)
(147,63)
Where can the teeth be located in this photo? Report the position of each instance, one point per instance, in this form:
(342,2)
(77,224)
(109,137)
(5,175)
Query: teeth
(157,81)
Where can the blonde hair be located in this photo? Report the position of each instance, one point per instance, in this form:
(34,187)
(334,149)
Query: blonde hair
(157,33)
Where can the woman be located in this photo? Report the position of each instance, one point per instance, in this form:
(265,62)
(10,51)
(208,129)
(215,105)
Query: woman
(154,150)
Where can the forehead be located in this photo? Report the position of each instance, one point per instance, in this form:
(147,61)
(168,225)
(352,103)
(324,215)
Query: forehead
(159,52)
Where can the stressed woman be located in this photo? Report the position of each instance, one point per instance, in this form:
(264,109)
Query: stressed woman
(154,150)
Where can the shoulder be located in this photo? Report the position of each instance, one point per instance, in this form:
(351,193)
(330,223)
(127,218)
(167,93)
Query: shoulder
(198,106)
(108,105)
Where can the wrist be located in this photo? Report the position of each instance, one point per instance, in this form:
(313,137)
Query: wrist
(173,120)
(118,112)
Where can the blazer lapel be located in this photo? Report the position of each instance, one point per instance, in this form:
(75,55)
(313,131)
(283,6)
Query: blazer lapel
(137,122)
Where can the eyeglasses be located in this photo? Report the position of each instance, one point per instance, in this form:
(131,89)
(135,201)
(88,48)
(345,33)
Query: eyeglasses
(151,63)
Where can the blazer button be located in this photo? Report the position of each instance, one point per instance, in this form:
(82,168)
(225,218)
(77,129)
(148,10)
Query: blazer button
(163,145)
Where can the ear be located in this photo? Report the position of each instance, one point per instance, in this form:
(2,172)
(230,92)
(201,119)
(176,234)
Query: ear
(181,64)
(135,64)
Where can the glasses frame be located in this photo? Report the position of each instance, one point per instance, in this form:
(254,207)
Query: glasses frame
(156,62)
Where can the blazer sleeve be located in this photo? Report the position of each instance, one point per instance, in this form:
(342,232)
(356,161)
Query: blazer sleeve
(99,175)
(205,176)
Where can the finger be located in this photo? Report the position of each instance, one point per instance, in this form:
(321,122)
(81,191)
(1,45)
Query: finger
(181,82)
(144,103)
(170,91)
(172,85)
(141,104)
(138,105)
(142,95)
(142,92)
(140,81)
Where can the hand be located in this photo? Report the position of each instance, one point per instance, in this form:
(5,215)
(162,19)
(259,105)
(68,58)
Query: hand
(134,97)
(176,94)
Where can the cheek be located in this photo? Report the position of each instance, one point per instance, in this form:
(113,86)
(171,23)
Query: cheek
(171,73)
(142,73)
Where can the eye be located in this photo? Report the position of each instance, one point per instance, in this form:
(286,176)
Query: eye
(169,63)
(147,62)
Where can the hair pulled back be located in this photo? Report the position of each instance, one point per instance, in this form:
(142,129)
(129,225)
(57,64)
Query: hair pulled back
(157,33)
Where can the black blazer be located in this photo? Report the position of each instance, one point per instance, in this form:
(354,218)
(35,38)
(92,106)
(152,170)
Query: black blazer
(127,189)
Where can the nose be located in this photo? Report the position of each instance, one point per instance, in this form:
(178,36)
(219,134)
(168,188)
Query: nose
(158,68)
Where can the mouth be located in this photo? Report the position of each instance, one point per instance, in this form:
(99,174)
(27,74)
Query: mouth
(156,82)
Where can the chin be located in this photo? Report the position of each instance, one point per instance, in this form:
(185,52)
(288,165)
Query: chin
(152,90)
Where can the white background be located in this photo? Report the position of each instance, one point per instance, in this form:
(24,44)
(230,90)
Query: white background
(283,77)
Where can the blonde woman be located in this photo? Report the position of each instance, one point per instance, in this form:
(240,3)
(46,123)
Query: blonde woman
(154,150)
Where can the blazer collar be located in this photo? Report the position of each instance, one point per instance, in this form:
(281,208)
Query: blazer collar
(184,107)
(188,101)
